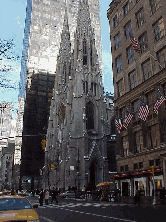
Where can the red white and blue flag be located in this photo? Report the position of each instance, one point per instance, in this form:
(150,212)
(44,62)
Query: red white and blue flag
(135,43)
(118,124)
(128,118)
(159,102)
(144,111)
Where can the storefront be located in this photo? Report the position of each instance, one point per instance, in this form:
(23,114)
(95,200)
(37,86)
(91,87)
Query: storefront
(125,187)
(140,184)
(142,180)
(159,183)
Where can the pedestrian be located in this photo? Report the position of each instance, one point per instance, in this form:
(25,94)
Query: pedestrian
(12,191)
(54,195)
(162,195)
(46,196)
(41,197)
(137,197)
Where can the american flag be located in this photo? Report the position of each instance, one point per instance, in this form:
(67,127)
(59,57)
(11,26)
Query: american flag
(135,43)
(159,102)
(144,111)
(128,118)
(118,124)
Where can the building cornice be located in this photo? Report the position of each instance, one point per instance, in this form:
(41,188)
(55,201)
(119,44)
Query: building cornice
(112,6)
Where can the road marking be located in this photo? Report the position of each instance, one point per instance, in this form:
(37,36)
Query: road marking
(46,219)
(87,204)
(96,205)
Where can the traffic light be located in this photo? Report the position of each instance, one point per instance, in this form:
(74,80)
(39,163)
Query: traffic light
(43,144)
(52,167)
(152,169)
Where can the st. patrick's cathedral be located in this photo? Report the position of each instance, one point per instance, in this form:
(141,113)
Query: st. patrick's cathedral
(80,137)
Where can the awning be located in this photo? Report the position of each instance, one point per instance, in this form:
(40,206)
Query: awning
(137,173)
(103,184)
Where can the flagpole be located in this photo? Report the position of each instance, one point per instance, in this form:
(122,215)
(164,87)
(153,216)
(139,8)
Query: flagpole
(156,60)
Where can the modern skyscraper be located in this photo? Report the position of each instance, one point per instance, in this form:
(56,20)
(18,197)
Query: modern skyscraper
(43,25)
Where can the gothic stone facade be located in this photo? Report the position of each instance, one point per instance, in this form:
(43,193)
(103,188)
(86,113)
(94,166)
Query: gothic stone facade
(77,131)
(138,75)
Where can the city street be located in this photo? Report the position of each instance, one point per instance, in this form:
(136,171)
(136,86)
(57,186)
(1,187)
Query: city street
(82,211)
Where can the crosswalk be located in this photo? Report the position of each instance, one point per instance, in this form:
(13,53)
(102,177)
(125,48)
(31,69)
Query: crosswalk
(71,205)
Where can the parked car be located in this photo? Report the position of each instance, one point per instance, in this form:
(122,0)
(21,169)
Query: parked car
(70,194)
(17,208)
(23,192)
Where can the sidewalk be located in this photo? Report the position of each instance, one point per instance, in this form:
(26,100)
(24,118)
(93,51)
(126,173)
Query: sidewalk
(145,202)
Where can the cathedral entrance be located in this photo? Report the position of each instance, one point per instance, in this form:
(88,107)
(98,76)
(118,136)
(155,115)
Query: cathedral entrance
(93,173)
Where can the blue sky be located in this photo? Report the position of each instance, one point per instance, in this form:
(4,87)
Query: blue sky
(12,21)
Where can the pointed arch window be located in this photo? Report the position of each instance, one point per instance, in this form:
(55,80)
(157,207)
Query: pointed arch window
(89,115)
(64,73)
(85,55)
(77,48)
(91,53)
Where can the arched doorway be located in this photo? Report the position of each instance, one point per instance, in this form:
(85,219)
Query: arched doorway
(93,173)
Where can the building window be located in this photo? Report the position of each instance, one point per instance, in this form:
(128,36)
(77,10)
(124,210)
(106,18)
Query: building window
(135,166)
(135,142)
(161,56)
(77,48)
(117,41)
(135,108)
(154,4)
(120,88)
(157,162)
(95,86)
(118,62)
(113,126)
(90,115)
(85,87)
(91,53)
(127,30)
(151,162)
(139,18)
(85,55)
(130,54)
(125,9)
(150,100)
(3,133)
(115,21)
(122,169)
(143,41)
(146,69)
(159,30)
(126,168)
(64,73)
(140,165)
(132,79)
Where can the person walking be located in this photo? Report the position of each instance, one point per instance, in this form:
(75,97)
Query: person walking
(162,195)
(41,197)
(54,195)
(137,197)
(46,196)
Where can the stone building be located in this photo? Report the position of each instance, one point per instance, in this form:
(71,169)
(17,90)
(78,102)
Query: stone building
(43,25)
(79,126)
(139,76)
(7,159)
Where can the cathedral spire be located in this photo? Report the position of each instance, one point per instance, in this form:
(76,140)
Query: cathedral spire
(65,45)
(64,58)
